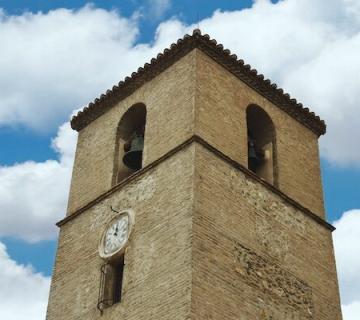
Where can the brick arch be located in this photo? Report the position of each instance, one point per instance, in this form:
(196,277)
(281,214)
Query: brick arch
(133,120)
(262,134)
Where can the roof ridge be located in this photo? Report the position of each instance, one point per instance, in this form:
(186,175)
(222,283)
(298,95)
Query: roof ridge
(216,51)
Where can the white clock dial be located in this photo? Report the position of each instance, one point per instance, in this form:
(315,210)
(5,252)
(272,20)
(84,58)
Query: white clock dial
(116,234)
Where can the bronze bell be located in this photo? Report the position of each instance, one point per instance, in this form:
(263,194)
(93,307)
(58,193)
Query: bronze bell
(253,156)
(133,152)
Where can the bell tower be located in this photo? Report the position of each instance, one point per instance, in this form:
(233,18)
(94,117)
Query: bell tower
(196,194)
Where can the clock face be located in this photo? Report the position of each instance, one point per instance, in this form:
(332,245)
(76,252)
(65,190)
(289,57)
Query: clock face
(116,234)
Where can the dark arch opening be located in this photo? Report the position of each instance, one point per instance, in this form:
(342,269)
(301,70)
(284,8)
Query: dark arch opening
(129,142)
(261,143)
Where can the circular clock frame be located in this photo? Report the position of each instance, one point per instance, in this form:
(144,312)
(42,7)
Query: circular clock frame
(116,254)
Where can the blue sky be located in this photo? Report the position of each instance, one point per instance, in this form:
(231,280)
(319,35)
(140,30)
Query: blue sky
(188,10)
(296,45)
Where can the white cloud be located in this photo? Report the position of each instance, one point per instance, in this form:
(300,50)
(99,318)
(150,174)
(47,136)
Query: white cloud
(57,61)
(347,248)
(53,63)
(158,8)
(351,311)
(24,293)
(311,49)
(33,195)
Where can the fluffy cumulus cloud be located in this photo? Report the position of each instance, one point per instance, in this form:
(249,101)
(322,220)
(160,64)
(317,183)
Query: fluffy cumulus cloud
(53,63)
(24,293)
(311,49)
(58,61)
(351,311)
(158,7)
(347,248)
(33,195)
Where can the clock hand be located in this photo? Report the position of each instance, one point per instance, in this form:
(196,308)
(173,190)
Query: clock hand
(116,229)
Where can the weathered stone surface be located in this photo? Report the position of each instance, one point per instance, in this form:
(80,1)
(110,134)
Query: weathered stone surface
(157,276)
(254,254)
(196,95)
(277,284)
(210,241)
(221,102)
(169,100)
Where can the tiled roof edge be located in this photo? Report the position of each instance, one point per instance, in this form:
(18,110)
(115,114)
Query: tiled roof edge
(217,52)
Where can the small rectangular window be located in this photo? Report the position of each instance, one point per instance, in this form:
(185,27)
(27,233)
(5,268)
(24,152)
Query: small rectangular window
(111,280)
(118,280)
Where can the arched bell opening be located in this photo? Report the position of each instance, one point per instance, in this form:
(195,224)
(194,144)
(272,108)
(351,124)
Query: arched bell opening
(129,142)
(261,143)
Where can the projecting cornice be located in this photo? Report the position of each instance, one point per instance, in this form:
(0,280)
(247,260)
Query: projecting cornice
(196,139)
(222,56)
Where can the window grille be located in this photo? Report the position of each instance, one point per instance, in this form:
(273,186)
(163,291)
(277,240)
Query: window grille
(111,279)
(105,299)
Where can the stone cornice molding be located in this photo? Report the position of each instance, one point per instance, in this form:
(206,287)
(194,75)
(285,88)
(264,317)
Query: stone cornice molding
(216,152)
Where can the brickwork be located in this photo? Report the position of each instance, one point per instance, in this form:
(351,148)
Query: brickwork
(221,102)
(211,240)
(252,251)
(216,111)
(169,99)
(157,279)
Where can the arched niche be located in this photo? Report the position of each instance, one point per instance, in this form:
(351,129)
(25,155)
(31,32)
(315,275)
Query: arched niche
(131,124)
(261,143)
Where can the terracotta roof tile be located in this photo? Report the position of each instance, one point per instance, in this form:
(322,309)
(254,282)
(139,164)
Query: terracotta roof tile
(216,51)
